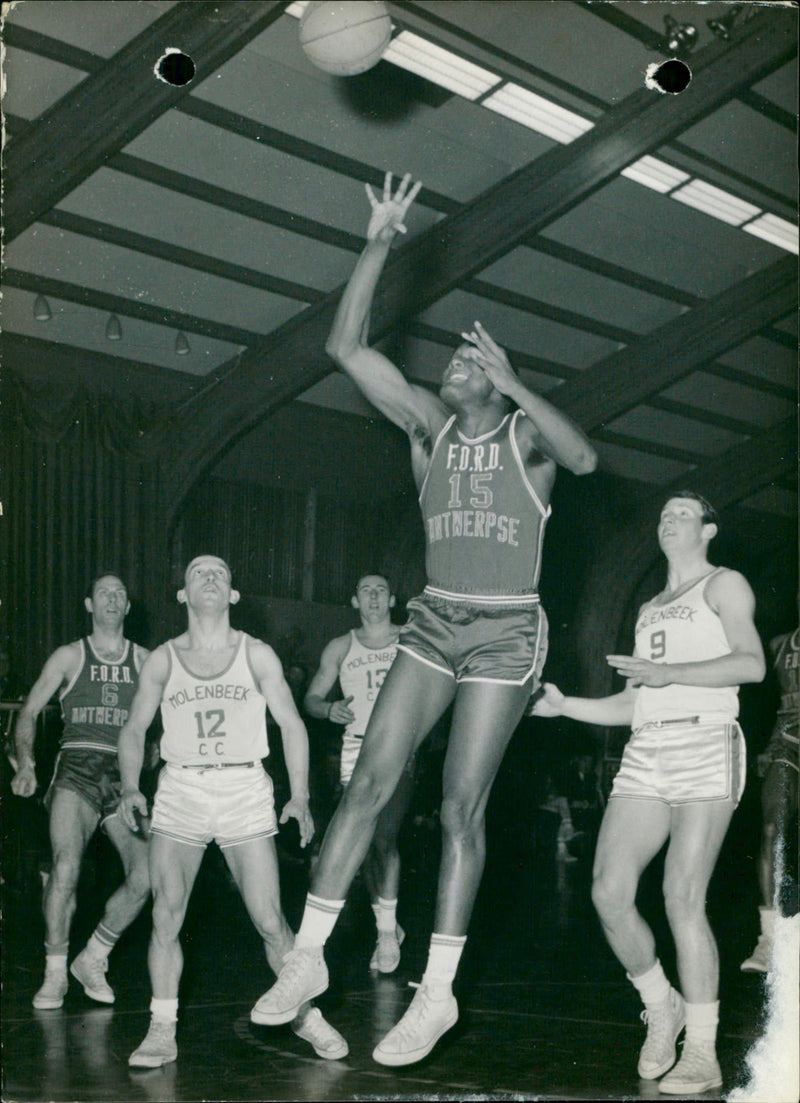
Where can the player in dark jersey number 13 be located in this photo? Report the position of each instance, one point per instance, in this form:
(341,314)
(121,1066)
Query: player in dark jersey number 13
(484,454)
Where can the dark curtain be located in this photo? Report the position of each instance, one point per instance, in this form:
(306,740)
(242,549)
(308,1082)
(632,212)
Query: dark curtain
(80,497)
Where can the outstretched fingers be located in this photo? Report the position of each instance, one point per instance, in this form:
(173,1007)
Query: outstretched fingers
(482,340)
(390,209)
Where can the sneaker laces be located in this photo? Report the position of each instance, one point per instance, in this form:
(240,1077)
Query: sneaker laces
(417,1011)
(95,968)
(318,1027)
(695,1058)
(659,1022)
(161,1030)
(291,973)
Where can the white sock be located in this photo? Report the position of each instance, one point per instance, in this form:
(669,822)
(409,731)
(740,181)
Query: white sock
(98,949)
(701,1022)
(652,986)
(385,912)
(767,918)
(443,958)
(164,1009)
(319,919)
(55,963)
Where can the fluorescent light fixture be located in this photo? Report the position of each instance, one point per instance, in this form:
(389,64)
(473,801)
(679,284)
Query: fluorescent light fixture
(655,174)
(775,230)
(297,8)
(716,202)
(410,51)
(537,113)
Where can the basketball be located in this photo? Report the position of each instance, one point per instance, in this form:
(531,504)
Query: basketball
(345,37)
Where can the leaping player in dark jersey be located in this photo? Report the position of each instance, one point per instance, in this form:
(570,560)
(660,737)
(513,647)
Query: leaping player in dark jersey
(484,454)
(98,677)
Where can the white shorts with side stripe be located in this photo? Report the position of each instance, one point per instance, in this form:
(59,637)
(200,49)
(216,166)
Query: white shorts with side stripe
(231,806)
(683,763)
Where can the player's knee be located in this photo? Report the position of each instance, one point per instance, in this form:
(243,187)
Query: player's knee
(169,909)
(365,794)
(684,898)
(459,817)
(610,896)
(272,926)
(138,882)
(65,871)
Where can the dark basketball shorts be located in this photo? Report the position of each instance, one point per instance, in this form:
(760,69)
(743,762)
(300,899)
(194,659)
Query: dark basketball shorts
(231,805)
(93,775)
(682,763)
(783,746)
(476,645)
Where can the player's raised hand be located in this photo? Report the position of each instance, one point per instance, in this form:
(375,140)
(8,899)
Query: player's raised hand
(389,212)
(492,359)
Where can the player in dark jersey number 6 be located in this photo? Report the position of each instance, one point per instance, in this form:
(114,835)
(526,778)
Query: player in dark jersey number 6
(97,677)
(484,454)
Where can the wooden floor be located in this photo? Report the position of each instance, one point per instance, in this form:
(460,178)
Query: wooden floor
(546,1012)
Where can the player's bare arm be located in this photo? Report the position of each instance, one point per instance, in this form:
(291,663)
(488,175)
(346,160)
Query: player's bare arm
(412,408)
(269,675)
(616,710)
(551,432)
(730,596)
(130,749)
(315,701)
(56,672)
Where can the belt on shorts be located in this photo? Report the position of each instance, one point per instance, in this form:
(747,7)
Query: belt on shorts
(215,765)
(670,723)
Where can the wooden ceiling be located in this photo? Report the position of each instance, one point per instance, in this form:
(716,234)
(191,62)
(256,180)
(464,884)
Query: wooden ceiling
(231,210)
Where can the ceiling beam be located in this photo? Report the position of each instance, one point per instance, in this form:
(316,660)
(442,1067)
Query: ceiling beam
(732,476)
(244,127)
(184,184)
(467,241)
(167,251)
(118,100)
(752,379)
(626,378)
